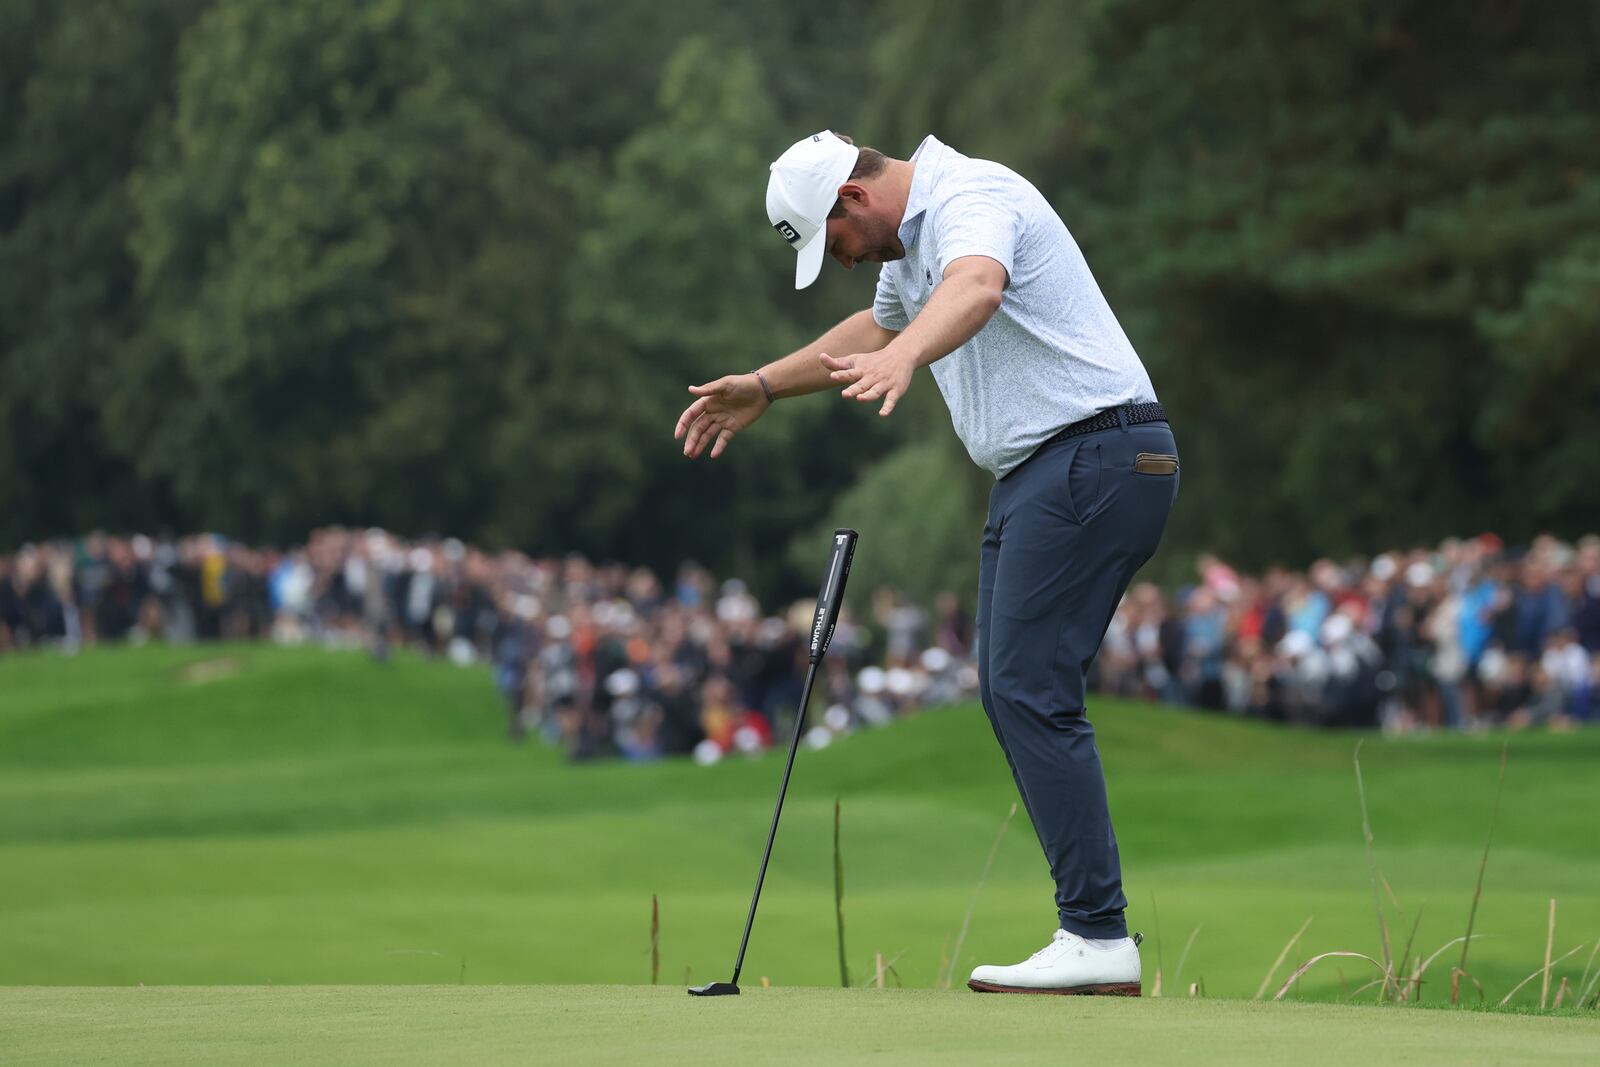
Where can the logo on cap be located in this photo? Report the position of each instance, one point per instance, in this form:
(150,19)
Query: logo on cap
(789,232)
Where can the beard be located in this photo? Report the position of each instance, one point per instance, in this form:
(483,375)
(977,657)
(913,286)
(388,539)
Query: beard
(879,239)
(883,241)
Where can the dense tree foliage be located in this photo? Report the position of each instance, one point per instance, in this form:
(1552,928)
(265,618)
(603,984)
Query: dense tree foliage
(449,267)
(1363,246)
(77,91)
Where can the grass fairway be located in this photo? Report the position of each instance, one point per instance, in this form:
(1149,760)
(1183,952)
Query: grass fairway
(250,816)
(391,1026)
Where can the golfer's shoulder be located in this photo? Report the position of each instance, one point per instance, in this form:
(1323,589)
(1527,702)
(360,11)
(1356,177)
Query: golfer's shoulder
(966,186)
(965,177)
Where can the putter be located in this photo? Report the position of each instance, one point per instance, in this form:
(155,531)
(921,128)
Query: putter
(844,546)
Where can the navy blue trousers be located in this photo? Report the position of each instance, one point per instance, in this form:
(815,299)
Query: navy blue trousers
(1066,531)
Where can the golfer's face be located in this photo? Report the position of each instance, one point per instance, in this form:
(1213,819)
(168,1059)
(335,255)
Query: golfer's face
(860,238)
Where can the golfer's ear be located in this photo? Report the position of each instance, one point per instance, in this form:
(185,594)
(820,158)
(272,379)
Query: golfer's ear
(854,191)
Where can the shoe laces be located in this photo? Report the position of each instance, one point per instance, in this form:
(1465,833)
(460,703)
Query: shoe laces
(1056,940)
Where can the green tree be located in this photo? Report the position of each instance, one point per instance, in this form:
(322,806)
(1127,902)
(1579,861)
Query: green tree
(686,277)
(336,242)
(80,87)
(1356,243)
(271,265)
(920,511)
(986,78)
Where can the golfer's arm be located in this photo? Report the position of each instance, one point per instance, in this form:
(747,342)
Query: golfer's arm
(802,372)
(963,301)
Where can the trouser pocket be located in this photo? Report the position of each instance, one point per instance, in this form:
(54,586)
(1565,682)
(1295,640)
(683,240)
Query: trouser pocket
(1155,463)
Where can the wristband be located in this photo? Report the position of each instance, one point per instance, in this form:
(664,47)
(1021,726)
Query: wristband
(764,390)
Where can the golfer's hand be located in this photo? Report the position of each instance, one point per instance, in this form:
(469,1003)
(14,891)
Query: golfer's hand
(871,376)
(724,407)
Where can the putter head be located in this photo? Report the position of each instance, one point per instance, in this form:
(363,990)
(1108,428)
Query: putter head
(714,989)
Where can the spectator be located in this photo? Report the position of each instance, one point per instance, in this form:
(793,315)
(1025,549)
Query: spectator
(605,660)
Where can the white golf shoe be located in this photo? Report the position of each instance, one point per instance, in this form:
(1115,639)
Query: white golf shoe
(1067,965)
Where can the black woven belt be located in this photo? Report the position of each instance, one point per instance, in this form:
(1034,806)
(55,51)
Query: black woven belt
(1131,415)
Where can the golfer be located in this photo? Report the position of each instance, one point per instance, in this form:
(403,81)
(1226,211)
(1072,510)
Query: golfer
(982,284)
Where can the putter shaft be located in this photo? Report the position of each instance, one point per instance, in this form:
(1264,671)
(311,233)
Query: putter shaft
(828,605)
(772,833)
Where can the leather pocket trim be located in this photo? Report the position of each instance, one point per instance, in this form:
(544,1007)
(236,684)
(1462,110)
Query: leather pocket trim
(1155,463)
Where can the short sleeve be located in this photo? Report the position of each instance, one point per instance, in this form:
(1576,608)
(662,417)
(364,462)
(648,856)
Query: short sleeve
(887,310)
(976,221)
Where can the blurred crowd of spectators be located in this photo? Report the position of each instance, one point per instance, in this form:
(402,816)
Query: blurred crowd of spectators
(605,660)
(1467,635)
(600,659)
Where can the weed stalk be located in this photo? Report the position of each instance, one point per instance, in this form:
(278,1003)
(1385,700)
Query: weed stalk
(1261,991)
(1372,873)
(1549,943)
(1542,970)
(838,896)
(1155,916)
(1585,984)
(1177,976)
(955,956)
(1483,865)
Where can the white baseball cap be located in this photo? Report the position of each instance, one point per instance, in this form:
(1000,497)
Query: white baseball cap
(803,188)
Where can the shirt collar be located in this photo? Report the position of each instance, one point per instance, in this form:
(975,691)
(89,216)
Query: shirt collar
(928,157)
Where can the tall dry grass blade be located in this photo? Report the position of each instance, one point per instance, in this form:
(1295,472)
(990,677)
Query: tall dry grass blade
(1388,956)
(889,967)
(1261,990)
(1586,984)
(1177,975)
(1561,994)
(655,940)
(1388,891)
(1549,943)
(1518,987)
(955,957)
(941,979)
(1583,983)
(1397,964)
(1372,874)
(1155,916)
(838,896)
(1423,965)
(1155,987)
(1363,988)
(877,963)
(1408,988)
(1314,960)
(1483,865)
(1456,974)
(1405,956)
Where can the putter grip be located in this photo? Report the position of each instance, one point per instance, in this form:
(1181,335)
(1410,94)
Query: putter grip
(832,595)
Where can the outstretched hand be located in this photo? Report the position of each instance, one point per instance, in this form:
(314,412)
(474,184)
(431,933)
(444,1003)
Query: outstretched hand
(724,407)
(869,376)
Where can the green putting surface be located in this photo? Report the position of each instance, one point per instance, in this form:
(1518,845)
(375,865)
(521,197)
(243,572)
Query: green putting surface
(388,1026)
(255,815)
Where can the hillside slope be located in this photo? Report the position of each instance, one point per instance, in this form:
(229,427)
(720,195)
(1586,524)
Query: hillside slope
(255,814)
